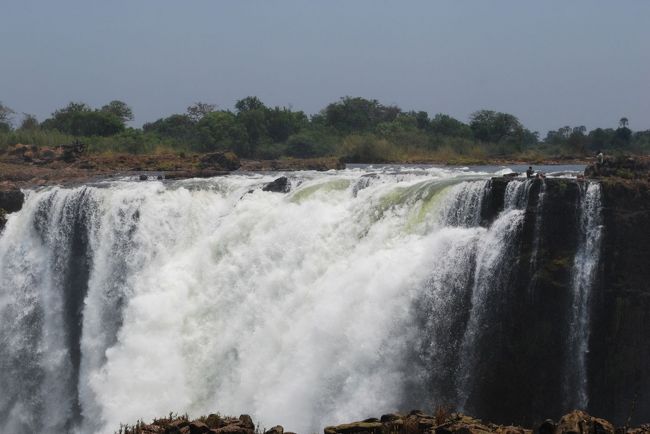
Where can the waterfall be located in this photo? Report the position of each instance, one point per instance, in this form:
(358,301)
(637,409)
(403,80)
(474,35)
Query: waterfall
(495,260)
(582,278)
(360,291)
(538,225)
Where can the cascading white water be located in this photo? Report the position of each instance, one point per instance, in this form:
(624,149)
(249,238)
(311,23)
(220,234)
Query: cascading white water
(538,225)
(125,300)
(495,260)
(584,268)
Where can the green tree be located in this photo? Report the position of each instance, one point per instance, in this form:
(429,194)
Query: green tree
(6,116)
(358,114)
(492,126)
(198,110)
(282,122)
(177,127)
(249,103)
(220,131)
(577,140)
(29,122)
(119,109)
(446,125)
(622,137)
(600,138)
(622,123)
(252,115)
(78,119)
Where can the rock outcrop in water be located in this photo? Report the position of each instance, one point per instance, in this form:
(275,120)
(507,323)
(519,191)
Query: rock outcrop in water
(279,185)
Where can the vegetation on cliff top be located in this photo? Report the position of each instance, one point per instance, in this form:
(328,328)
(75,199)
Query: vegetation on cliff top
(356,129)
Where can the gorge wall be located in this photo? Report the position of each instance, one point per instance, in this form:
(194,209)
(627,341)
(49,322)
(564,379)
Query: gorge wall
(354,293)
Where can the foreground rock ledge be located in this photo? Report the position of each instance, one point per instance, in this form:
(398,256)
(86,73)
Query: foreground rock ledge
(416,422)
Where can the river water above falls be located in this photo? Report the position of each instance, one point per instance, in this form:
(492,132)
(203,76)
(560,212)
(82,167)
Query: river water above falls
(359,291)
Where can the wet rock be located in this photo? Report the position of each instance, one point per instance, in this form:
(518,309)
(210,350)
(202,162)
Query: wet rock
(220,160)
(389,417)
(143,177)
(204,173)
(11,200)
(280,185)
(546,427)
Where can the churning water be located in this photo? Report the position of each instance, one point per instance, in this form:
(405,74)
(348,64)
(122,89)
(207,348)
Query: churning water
(360,291)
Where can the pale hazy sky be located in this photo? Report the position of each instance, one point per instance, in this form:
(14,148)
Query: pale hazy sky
(551,62)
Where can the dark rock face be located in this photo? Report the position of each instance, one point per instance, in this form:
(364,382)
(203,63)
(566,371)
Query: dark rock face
(11,200)
(280,185)
(220,161)
(523,346)
(620,347)
(524,332)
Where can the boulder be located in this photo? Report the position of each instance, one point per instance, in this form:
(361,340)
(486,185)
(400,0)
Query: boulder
(389,417)
(20,149)
(178,426)
(356,427)
(580,422)
(246,421)
(280,185)
(278,429)
(214,421)
(29,156)
(546,427)
(73,151)
(220,161)
(198,427)
(233,429)
(48,155)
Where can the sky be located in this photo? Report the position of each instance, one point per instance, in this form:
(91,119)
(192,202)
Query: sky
(551,63)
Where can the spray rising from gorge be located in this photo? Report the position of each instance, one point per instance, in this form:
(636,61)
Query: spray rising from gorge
(360,290)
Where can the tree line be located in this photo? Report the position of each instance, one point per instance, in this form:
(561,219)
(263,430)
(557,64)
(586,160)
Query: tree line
(355,128)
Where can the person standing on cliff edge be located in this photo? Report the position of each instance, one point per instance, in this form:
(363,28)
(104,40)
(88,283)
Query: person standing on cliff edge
(530,172)
(600,158)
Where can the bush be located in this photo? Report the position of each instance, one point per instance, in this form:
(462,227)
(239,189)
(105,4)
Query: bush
(368,148)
